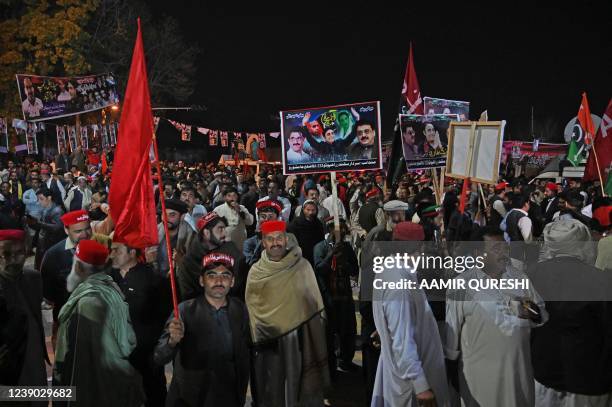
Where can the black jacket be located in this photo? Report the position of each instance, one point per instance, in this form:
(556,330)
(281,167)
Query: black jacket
(54,270)
(203,377)
(308,234)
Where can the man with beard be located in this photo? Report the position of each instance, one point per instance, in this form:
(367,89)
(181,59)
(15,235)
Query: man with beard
(95,336)
(56,263)
(572,352)
(550,205)
(365,148)
(146,293)
(308,230)
(395,212)
(287,326)
(237,216)
(49,226)
(209,343)
(312,193)
(335,264)
(252,248)
(180,236)
(211,237)
(22,344)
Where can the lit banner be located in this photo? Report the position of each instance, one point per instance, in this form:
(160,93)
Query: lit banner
(46,97)
(334,138)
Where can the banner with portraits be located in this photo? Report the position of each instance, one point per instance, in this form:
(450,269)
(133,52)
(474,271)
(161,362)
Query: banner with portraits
(72,138)
(532,154)
(46,97)
(4,141)
(333,138)
(425,140)
(84,138)
(446,106)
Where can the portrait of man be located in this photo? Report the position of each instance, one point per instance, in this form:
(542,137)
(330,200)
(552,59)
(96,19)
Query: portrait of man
(32,105)
(365,148)
(409,142)
(296,153)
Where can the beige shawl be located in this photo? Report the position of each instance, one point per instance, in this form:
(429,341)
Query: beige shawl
(281,296)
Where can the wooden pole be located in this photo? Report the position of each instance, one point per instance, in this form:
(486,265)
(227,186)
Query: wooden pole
(442,173)
(335,206)
(160,184)
(601,182)
(434,177)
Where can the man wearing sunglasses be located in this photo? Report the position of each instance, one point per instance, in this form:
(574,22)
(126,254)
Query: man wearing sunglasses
(209,343)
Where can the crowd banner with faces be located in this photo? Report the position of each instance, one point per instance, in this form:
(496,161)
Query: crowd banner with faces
(46,97)
(4,142)
(72,138)
(333,138)
(424,140)
(20,143)
(446,106)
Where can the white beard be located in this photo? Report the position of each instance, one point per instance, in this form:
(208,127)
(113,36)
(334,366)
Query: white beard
(74,279)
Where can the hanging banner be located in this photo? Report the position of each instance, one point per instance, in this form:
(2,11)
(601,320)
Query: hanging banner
(61,138)
(112,129)
(72,138)
(84,138)
(31,142)
(424,140)
(262,140)
(212,138)
(203,130)
(445,106)
(20,143)
(333,138)
(185,132)
(224,139)
(4,142)
(523,152)
(46,97)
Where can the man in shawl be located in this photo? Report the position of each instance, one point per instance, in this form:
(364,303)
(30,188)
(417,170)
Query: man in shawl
(22,343)
(287,326)
(209,343)
(572,352)
(95,336)
(488,330)
(308,230)
(411,365)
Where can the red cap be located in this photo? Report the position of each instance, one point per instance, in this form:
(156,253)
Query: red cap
(552,186)
(372,193)
(44,172)
(222,258)
(12,234)
(424,180)
(272,226)
(268,203)
(408,231)
(91,252)
(205,220)
(501,186)
(602,215)
(75,217)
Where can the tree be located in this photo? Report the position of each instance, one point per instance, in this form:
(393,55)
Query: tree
(42,37)
(82,37)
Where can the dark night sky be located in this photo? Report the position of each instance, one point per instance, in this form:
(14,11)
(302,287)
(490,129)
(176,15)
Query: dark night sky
(257,61)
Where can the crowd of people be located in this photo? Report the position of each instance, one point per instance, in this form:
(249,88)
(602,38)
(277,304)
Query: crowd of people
(270,290)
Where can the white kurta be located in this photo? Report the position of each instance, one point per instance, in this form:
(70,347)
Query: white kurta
(491,342)
(411,359)
(236,225)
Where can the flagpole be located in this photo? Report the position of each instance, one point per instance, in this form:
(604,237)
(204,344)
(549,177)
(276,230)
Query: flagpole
(160,184)
(601,183)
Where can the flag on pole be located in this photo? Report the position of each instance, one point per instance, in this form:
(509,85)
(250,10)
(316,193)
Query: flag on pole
(584,118)
(608,187)
(602,146)
(573,153)
(410,103)
(131,198)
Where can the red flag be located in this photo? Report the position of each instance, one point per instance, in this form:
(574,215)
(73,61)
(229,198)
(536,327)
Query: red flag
(464,193)
(602,145)
(411,93)
(584,118)
(131,195)
(104,163)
